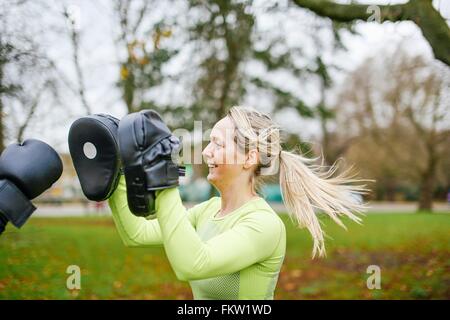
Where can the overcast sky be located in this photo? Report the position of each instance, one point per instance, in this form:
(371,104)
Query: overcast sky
(99,58)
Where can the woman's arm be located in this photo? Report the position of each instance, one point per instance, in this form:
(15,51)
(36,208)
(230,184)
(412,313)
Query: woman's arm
(252,240)
(136,231)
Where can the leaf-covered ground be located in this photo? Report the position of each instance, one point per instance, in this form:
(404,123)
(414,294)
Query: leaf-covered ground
(411,250)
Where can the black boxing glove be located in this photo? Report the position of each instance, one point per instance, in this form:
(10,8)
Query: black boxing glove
(147,148)
(26,171)
(94,150)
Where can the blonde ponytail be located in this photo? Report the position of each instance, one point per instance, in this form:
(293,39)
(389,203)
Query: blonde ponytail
(304,186)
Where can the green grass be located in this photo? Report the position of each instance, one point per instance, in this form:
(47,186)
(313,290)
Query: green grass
(412,250)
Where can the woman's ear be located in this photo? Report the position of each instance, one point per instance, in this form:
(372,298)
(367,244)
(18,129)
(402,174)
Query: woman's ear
(251,159)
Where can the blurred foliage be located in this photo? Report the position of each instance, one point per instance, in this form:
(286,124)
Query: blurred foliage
(224,39)
(145,56)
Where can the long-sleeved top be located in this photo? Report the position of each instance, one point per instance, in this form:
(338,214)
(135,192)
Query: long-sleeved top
(235,256)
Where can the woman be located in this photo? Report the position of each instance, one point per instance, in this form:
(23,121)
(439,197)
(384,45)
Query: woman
(233,246)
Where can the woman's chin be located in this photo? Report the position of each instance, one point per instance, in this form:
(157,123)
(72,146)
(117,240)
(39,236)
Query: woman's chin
(211,177)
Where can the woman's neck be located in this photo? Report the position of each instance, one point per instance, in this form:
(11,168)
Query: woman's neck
(234,196)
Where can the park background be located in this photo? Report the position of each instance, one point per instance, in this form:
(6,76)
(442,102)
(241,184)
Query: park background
(358,83)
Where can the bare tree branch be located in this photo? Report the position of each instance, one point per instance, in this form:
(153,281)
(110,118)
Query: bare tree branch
(122,7)
(434,27)
(31,111)
(352,12)
(141,15)
(75,39)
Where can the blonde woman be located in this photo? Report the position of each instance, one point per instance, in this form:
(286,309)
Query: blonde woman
(233,246)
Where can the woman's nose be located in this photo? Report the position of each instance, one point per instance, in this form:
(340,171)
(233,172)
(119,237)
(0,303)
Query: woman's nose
(206,152)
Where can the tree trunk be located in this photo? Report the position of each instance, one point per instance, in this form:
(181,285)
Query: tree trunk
(426,193)
(390,190)
(427,186)
(2,138)
(129,86)
(231,66)
(434,28)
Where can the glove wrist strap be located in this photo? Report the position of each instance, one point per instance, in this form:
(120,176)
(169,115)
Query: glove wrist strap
(140,201)
(14,205)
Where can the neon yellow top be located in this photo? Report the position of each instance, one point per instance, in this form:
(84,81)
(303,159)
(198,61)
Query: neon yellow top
(237,256)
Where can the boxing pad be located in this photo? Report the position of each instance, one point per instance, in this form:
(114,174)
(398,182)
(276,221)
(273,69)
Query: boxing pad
(94,150)
(26,170)
(3,223)
(147,148)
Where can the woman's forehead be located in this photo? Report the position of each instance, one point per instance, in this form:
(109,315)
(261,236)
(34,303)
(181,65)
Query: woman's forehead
(222,127)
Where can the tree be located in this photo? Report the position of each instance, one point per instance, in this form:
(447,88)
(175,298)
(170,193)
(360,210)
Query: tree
(144,54)
(27,74)
(223,43)
(401,105)
(227,41)
(433,26)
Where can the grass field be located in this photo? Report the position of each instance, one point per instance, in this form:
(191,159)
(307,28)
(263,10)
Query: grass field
(412,250)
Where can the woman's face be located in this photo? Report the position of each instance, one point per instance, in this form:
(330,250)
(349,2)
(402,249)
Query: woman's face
(225,160)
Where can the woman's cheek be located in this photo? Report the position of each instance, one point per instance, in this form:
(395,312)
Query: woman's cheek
(221,157)
(230,156)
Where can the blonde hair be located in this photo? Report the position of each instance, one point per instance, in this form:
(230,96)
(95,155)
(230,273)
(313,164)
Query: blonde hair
(304,186)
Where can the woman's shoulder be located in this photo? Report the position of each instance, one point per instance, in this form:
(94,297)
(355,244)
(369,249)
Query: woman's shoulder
(262,212)
(261,205)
